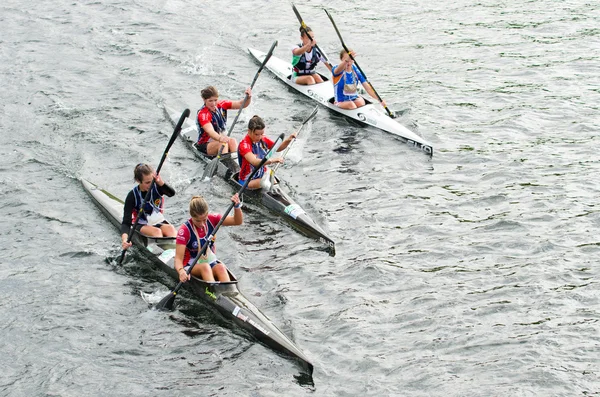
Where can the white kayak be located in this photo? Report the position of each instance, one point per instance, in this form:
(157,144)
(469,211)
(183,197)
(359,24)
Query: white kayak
(369,114)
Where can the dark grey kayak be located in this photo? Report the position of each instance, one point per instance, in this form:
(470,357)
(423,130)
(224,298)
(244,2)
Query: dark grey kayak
(276,199)
(225,297)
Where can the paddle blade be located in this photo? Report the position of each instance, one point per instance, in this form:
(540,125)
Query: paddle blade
(265,181)
(120,260)
(211,169)
(167,302)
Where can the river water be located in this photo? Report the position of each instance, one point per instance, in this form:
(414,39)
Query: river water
(473,273)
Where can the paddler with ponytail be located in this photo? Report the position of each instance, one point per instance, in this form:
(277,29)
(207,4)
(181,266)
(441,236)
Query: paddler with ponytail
(253,148)
(152,222)
(191,237)
(346,77)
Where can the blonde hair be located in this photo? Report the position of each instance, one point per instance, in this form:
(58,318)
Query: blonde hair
(198,206)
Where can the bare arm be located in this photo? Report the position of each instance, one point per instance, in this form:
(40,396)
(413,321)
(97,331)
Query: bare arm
(179,255)
(238,104)
(301,50)
(210,130)
(369,88)
(238,216)
(286,142)
(255,161)
(339,68)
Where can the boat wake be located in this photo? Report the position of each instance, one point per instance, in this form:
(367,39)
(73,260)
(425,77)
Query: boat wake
(154,297)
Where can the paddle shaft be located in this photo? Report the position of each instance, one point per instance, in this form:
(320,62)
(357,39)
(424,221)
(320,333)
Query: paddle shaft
(303,27)
(184,115)
(356,63)
(168,300)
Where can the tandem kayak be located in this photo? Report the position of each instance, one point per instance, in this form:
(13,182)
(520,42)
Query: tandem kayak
(224,297)
(323,93)
(276,199)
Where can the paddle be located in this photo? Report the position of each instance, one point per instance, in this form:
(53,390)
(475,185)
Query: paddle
(303,27)
(287,149)
(211,167)
(184,115)
(167,301)
(361,71)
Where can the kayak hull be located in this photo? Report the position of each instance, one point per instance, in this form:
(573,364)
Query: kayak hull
(224,297)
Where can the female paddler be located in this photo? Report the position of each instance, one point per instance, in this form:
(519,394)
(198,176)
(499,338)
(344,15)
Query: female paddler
(151,221)
(211,122)
(253,148)
(346,77)
(305,58)
(192,235)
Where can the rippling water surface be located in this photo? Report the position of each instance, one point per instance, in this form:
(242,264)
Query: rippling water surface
(473,273)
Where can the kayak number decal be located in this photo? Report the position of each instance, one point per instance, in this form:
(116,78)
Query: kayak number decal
(426,148)
(238,313)
(294,210)
(167,255)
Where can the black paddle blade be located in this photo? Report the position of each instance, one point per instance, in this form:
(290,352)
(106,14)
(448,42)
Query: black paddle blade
(120,260)
(167,302)
(211,169)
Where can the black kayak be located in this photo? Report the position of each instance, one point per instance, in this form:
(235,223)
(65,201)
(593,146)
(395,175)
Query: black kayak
(225,296)
(275,199)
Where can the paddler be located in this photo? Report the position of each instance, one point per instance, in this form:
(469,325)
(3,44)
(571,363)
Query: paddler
(305,58)
(346,77)
(253,149)
(211,122)
(151,222)
(192,235)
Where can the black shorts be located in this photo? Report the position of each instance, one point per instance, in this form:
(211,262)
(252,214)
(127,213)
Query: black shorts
(201,147)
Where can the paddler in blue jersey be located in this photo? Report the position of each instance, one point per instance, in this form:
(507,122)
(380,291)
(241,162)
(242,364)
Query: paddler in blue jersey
(346,77)
(305,58)
(192,235)
(152,222)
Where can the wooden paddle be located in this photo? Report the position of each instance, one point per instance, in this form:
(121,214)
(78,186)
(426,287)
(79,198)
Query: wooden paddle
(167,301)
(287,149)
(389,112)
(184,115)
(303,27)
(211,167)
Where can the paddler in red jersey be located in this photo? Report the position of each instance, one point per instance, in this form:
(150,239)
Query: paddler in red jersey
(211,122)
(192,235)
(253,148)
